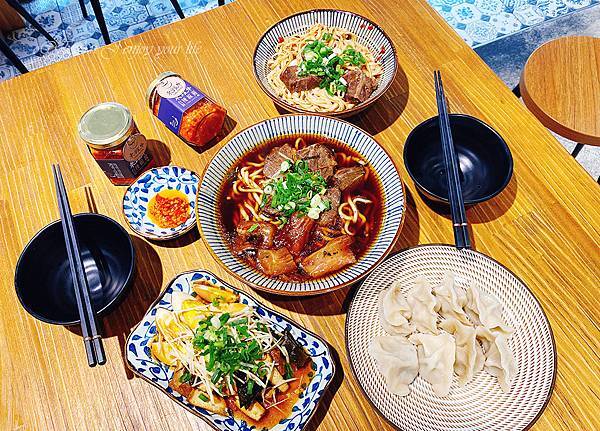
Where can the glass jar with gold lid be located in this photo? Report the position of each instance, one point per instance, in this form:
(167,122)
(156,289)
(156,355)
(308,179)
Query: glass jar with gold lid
(115,142)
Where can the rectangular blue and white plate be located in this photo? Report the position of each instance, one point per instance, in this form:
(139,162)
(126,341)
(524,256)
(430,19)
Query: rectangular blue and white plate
(145,366)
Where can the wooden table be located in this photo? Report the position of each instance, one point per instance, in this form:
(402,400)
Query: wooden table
(544,226)
(9,18)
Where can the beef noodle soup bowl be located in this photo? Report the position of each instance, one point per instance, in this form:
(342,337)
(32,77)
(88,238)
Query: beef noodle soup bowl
(300,204)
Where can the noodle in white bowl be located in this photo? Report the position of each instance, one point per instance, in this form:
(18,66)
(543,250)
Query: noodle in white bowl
(328,96)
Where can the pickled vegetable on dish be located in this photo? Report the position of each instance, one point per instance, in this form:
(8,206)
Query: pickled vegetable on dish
(226,357)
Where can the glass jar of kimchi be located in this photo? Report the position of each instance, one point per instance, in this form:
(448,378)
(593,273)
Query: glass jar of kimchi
(115,142)
(184,109)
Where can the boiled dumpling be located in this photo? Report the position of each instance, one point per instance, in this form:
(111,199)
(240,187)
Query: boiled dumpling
(499,360)
(397,360)
(469,354)
(436,359)
(485,310)
(448,301)
(394,313)
(422,307)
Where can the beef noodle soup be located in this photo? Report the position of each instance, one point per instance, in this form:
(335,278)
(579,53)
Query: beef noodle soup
(301,207)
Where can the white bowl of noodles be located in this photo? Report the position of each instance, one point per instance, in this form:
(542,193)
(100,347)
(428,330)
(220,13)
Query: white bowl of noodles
(325,61)
(320,242)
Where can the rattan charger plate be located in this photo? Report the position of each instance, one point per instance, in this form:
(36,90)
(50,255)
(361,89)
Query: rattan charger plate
(480,405)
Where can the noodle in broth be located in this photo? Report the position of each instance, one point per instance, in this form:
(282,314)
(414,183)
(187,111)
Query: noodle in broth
(358,213)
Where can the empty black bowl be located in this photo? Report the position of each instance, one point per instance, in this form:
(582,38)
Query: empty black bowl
(485,161)
(43,276)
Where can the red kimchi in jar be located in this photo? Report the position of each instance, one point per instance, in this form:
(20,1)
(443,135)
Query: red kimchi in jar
(184,109)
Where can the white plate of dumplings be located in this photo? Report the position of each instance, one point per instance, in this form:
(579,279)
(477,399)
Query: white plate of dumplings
(448,339)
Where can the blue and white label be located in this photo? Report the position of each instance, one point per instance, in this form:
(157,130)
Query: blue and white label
(177,96)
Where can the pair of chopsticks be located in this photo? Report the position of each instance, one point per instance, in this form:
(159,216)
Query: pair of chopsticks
(92,340)
(457,203)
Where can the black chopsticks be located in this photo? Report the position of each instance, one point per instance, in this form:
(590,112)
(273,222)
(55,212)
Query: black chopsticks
(91,338)
(457,203)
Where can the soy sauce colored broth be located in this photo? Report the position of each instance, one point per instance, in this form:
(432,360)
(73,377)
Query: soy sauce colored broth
(301,207)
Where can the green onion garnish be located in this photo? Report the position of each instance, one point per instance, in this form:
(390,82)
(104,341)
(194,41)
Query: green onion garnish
(185,377)
(289,373)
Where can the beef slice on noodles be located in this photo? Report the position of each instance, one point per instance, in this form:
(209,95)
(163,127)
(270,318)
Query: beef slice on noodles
(335,255)
(320,159)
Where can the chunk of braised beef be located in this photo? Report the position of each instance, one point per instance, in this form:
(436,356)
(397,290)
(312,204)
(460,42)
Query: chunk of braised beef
(259,233)
(347,179)
(320,159)
(276,262)
(296,83)
(334,196)
(246,393)
(296,233)
(267,209)
(240,246)
(335,255)
(359,86)
(296,353)
(276,157)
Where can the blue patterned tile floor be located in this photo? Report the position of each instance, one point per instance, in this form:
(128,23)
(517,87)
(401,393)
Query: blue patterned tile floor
(76,35)
(483,21)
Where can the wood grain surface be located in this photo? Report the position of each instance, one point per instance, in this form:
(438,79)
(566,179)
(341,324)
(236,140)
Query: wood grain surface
(543,226)
(9,18)
(560,84)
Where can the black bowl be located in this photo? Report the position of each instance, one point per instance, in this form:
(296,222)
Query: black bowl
(485,161)
(43,276)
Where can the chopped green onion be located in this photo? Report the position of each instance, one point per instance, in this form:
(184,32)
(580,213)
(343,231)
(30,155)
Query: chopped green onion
(252,228)
(216,377)
(293,192)
(289,373)
(185,377)
(203,397)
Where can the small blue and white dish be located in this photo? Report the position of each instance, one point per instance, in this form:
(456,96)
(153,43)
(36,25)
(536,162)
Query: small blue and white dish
(150,183)
(141,362)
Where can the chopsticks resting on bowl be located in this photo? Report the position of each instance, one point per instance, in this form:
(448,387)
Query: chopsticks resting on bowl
(91,338)
(457,203)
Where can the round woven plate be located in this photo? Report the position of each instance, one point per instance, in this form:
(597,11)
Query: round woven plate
(480,405)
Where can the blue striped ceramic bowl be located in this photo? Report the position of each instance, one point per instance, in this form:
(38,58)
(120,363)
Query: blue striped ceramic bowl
(150,183)
(369,34)
(356,139)
(141,362)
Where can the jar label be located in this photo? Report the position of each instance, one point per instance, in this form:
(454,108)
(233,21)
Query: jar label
(177,96)
(134,148)
(171,87)
(127,163)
